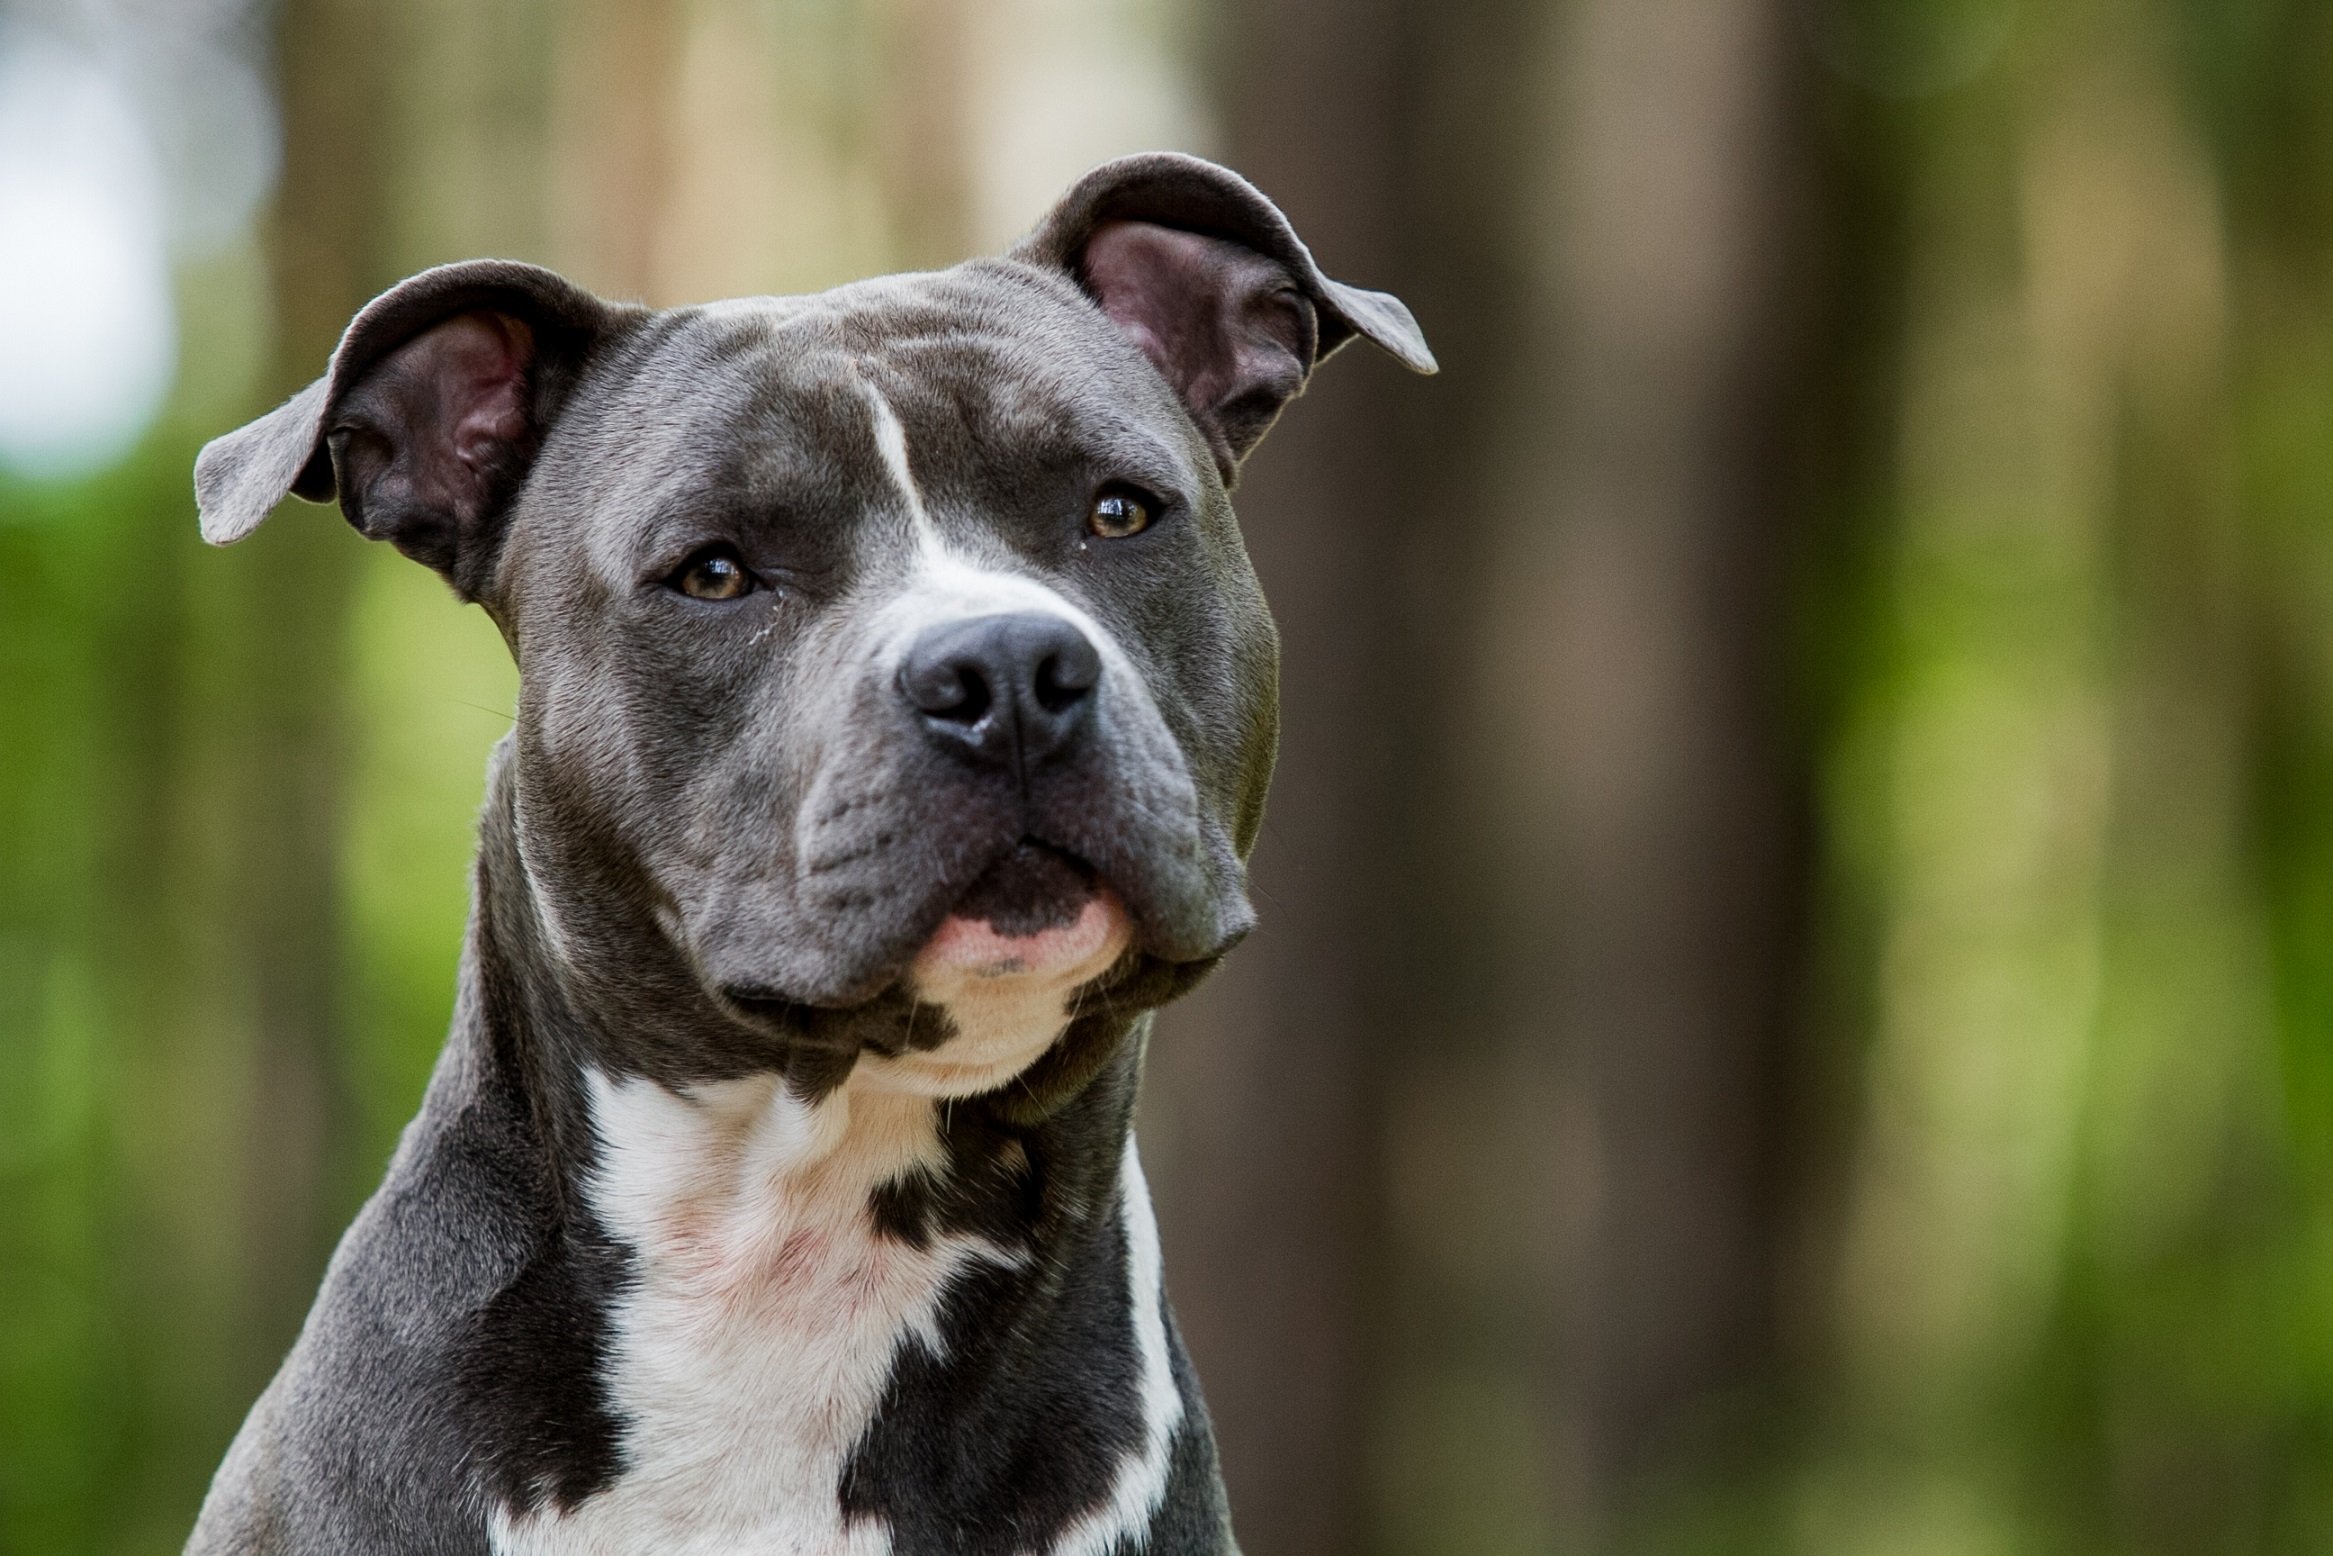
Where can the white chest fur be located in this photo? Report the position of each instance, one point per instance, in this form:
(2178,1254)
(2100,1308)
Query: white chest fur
(754,1348)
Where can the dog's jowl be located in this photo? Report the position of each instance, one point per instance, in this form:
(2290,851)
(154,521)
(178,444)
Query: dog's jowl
(896,708)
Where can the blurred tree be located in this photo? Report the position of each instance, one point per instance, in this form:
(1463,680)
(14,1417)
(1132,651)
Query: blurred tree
(2078,1284)
(1484,1232)
(618,165)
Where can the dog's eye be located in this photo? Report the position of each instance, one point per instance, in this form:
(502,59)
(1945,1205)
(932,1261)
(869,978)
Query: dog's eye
(714,573)
(1120,511)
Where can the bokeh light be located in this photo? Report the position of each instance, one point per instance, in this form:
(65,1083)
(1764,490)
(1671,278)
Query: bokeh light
(85,301)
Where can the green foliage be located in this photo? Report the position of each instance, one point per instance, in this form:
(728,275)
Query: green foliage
(132,1332)
(2073,636)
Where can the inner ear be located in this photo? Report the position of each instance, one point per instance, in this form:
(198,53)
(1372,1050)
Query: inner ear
(1230,329)
(435,437)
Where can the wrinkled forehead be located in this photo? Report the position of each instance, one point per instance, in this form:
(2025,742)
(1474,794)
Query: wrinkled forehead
(966,384)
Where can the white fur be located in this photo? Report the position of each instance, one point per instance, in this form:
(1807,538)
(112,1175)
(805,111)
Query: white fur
(755,1347)
(891,441)
(1002,1026)
(751,1356)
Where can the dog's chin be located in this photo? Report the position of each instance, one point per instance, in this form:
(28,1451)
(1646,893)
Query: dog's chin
(1005,966)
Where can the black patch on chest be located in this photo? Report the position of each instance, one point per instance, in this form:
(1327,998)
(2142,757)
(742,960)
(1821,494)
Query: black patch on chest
(1020,1427)
(1022,1423)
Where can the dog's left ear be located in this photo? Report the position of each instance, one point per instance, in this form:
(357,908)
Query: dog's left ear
(427,420)
(1207,277)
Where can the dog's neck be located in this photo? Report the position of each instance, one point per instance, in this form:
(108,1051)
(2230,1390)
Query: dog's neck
(823,1285)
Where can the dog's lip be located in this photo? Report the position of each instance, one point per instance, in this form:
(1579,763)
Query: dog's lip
(976,948)
(1036,909)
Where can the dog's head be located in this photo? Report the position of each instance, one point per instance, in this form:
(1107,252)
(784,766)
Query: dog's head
(889,646)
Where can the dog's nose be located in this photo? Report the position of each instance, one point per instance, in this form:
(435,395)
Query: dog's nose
(1009,690)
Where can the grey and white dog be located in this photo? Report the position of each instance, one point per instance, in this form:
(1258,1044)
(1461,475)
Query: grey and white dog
(896,709)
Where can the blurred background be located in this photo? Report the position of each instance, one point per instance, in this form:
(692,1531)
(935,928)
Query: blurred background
(1794,1009)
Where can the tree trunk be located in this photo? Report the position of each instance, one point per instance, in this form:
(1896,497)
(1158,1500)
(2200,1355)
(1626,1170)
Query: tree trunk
(1470,1151)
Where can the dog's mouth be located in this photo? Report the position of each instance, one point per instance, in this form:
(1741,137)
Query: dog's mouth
(1038,910)
(1032,888)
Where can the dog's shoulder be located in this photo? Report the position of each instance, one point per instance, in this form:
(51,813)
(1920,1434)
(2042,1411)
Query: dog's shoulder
(378,1431)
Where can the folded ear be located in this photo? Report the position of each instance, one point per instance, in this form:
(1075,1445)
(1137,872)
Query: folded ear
(427,420)
(1207,277)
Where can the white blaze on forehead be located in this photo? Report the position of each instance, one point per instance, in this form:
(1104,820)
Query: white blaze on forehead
(891,442)
(947,584)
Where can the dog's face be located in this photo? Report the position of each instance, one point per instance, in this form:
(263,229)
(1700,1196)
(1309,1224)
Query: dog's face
(886,648)
(923,590)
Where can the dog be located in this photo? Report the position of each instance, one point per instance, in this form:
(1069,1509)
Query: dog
(896,707)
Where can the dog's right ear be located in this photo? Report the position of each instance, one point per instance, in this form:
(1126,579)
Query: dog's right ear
(427,420)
